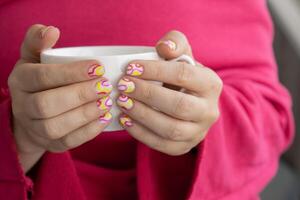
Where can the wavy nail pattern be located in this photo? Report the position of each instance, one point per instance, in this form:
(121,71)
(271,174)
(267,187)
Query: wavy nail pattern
(96,70)
(103,87)
(125,121)
(134,69)
(106,118)
(125,102)
(126,85)
(172,45)
(104,103)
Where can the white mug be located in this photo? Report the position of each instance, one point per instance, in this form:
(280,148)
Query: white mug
(113,58)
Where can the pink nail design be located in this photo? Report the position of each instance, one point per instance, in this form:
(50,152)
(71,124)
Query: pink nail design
(135,69)
(103,87)
(106,118)
(126,85)
(172,45)
(125,121)
(96,70)
(125,102)
(104,103)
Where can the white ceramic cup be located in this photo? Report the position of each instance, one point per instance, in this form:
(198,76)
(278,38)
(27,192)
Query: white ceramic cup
(113,58)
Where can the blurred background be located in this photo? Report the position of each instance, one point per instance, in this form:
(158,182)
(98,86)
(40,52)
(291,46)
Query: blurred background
(286,16)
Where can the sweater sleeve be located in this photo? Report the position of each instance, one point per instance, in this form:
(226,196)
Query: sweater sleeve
(54,170)
(240,153)
(13,182)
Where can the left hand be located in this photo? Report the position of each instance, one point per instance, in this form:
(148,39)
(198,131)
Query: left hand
(165,119)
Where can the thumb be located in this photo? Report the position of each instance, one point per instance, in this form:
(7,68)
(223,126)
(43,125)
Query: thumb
(38,38)
(173,45)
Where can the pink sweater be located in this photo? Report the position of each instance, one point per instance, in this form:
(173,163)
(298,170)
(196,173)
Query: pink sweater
(240,153)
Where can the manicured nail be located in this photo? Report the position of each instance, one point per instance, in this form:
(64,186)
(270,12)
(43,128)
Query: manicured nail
(125,102)
(103,87)
(126,85)
(104,103)
(134,69)
(96,70)
(125,121)
(172,45)
(106,118)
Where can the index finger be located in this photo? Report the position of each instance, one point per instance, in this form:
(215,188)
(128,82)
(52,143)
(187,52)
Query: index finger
(35,77)
(198,78)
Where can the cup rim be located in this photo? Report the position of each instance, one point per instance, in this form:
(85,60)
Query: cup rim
(53,52)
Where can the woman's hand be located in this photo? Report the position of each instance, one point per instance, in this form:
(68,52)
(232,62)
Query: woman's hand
(165,119)
(55,107)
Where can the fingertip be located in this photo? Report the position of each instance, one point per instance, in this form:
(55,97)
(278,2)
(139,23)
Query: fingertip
(173,45)
(49,36)
(125,121)
(106,118)
(167,48)
(37,38)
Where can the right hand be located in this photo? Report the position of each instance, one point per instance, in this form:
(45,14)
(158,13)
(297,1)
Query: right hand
(55,106)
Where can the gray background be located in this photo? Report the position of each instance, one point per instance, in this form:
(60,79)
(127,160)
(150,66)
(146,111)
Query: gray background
(286,16)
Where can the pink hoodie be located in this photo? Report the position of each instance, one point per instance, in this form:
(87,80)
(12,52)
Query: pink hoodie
(240,153)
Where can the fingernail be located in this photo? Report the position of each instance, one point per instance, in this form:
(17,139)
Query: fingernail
(44,30)
(125,102)
(103,87)
(106,118)
(134,69)
(104,103)
(126,85)
(96,70)
(172,45)
(125,121)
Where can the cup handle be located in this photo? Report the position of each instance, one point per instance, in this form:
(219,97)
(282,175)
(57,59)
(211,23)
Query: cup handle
(187,59)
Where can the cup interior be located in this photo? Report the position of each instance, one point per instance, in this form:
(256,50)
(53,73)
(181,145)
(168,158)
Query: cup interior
(92,51)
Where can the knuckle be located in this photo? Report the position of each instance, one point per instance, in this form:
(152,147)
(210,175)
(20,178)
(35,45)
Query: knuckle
(142,114)
(213,115)
(50,129)
(183,106)
(176,132)
(40,103)
(87,114)
(148,91)
(184,73)
(12,80)
(218,84)
(82,95)
(69,75)
(67,143)
(42,76)
(156,72)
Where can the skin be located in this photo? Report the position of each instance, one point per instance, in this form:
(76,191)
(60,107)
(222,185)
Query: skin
(54,107)
(180,120)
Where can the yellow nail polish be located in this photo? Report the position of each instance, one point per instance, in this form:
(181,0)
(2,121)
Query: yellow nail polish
(134,69)
(125,121)
(106,118)
(125,102)
(96,70)
(103,87)
(126,85)
(172,45)
(104,103)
